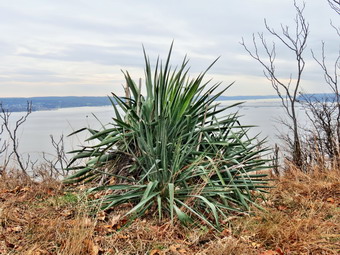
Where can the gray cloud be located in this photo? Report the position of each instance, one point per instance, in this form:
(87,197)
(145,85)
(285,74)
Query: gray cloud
(57,42)
(93,53)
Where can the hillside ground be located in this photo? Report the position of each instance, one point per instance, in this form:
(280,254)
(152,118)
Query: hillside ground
(301,216)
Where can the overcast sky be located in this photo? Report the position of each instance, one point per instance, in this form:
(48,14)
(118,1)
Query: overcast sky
(78,48)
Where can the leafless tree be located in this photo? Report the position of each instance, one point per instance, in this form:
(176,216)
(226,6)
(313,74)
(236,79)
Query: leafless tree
(325,113)
(53,165)
(335,4)
(320,140)
(13,135)
(296,42)
(331,78)
(59,161)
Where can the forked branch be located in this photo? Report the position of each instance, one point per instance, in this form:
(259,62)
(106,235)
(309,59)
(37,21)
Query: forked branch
(13,134)
(335,5)
(286,88)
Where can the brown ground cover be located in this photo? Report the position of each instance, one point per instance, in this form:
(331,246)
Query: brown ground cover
(302,216)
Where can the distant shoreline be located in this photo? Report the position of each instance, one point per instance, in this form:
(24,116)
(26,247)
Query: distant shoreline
(16,104)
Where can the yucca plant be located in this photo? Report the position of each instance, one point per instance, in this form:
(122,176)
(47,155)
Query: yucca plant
(173,151)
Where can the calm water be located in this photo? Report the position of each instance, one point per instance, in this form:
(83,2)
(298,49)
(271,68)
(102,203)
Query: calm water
(34,135)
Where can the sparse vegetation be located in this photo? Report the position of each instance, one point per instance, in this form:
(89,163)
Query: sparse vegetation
(301,216)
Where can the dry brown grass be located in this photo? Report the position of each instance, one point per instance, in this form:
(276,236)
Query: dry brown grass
(301,216)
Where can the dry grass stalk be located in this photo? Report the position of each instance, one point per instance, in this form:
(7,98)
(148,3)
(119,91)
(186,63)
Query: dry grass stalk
(301,217)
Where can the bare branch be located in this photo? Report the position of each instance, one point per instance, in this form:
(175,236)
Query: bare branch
(322,141)
(59,162)
(331,80)
(327,116)
(3,144)
(12,134)
(337,29)
(287,91)
(335,5)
